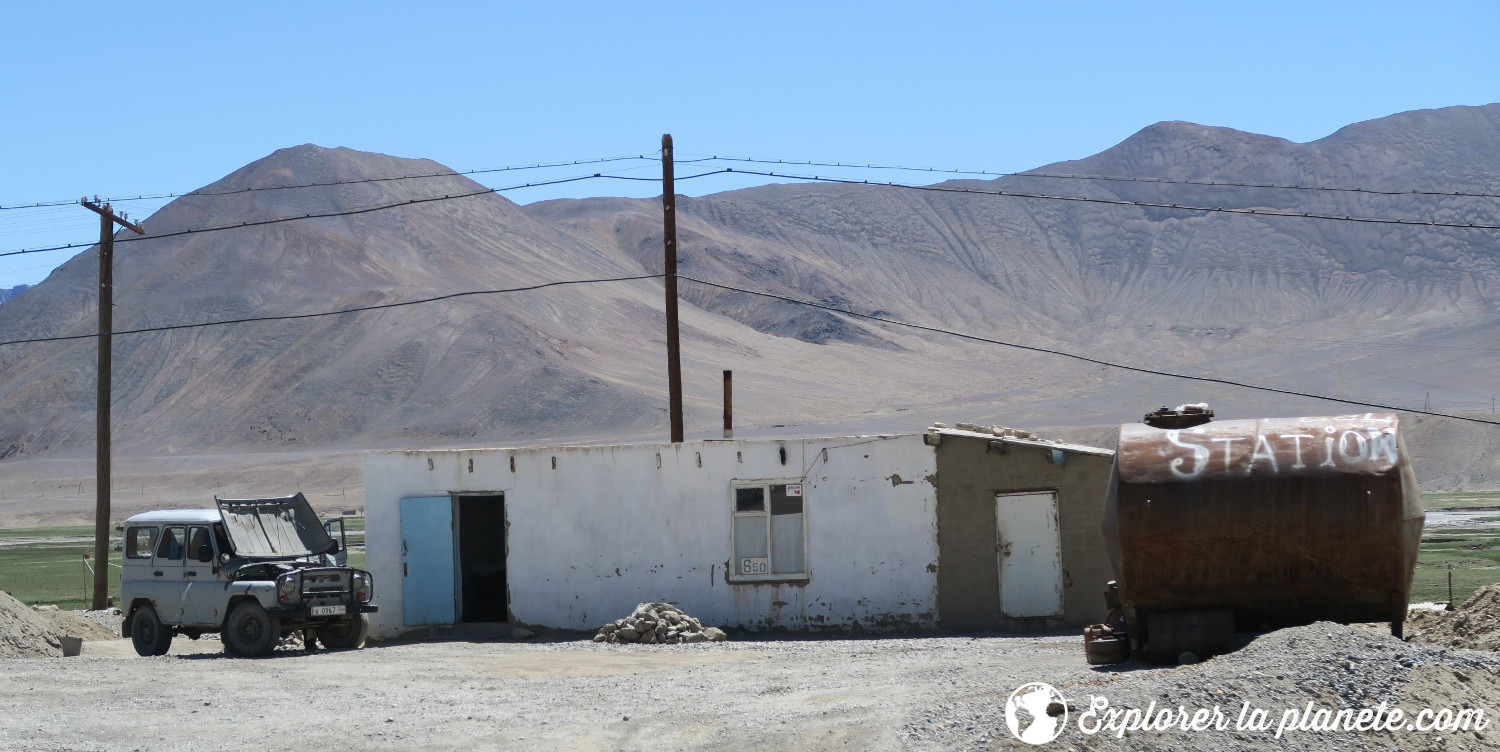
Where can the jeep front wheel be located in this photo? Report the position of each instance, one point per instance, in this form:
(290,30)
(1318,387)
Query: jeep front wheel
(250,631)
(148,634)
(345,635)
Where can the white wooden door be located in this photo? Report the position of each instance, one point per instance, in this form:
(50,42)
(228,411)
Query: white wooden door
(1028,549)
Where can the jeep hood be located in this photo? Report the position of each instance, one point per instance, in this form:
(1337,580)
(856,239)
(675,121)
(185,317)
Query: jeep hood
(279,528)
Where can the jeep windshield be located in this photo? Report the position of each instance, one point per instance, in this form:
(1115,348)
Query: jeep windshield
(278,528)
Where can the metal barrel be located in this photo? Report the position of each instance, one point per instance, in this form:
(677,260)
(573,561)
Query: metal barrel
(1283,521)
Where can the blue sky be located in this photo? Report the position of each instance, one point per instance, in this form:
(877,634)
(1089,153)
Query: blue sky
(127,99)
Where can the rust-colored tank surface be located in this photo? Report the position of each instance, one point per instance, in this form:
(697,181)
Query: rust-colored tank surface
(1284,520)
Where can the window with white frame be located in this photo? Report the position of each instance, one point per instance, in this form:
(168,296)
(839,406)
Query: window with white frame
(770,535)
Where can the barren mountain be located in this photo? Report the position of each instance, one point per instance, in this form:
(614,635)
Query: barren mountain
(1377,312)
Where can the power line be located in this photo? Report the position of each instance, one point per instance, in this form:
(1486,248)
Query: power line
(340,312)
(364,210)
(1107,178)
(798,301)
(1125,202)
(450,173)
(1085,359)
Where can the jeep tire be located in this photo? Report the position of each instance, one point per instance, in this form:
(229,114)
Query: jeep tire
(344,635)
(250,631)
(148,634)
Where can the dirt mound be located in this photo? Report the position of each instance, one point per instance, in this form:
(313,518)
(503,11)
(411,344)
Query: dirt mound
(77,625)
(1474,625)
(25,633)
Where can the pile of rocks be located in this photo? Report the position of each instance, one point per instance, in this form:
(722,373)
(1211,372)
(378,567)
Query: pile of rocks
(658,623)
(1474,625)
(24,633)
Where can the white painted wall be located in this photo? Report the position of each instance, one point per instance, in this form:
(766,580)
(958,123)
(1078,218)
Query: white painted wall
(608,529)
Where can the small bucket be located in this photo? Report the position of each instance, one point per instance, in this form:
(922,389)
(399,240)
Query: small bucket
(71,646)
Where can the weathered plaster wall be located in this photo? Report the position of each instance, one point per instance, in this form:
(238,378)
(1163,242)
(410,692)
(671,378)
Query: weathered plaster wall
(608,529)
(968,575)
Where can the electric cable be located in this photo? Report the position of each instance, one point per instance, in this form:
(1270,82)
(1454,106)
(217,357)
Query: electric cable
(340,312)
(1106,178)
(349,212)
(450,173)
(1083,358)
(1126,202)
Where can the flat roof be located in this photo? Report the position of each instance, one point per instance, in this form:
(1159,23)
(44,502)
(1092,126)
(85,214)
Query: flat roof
(1034,442)
(1017,441)
(177,515)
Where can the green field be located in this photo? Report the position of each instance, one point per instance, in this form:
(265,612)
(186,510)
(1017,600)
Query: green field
(50,570)
(1461,499)
(1473,552)
(46,565)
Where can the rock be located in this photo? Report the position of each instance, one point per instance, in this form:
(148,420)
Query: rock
(695,637)
(601,637)
(627,634)
(714,634)
(521,633)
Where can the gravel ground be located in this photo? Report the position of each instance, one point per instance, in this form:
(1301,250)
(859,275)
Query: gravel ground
(935,692)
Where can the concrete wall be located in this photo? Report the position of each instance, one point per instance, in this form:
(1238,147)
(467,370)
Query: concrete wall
(968,576)
(612,526)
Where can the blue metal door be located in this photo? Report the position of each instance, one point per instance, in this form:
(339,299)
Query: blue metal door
(427,583)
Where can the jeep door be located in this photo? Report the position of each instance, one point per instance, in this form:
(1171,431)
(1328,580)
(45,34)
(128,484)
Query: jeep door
(203,596)
(165,585)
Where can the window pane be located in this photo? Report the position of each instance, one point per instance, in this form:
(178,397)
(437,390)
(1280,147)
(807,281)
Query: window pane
(171,544)
(786,541)
(197,538)
(781,503)
(750,499)
(138,542)
(749,545)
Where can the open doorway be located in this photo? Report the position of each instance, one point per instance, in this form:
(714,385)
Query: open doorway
(484,595)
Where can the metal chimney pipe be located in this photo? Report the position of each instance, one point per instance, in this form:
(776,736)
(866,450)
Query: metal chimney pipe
(728,404)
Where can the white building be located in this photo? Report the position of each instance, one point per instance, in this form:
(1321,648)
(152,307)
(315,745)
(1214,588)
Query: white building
(798,534)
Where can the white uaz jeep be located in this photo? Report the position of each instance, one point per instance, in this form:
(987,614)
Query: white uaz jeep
(253,570)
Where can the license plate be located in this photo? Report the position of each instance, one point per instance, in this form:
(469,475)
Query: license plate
(327,610)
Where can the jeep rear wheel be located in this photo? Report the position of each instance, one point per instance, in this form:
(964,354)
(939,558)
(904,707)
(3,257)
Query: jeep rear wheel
(250,631)
(344,635)
(148,634)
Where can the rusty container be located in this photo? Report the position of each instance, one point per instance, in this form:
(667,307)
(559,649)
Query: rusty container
(1282,521)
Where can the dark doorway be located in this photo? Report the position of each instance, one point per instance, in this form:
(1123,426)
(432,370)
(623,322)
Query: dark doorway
(481,558)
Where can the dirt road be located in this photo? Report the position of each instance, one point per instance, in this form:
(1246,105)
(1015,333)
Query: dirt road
(893,693)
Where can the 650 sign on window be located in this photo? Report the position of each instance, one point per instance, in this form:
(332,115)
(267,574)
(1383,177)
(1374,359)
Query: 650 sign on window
(769,531)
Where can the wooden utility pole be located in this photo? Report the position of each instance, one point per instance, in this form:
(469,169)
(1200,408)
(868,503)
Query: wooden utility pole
(669,226)
(107,222)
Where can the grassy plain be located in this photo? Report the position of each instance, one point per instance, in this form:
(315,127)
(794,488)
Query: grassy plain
(45,564)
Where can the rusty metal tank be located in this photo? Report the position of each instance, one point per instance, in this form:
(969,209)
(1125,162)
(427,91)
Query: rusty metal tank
(1279,522)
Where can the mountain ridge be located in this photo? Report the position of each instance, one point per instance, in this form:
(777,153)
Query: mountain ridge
(1329,307)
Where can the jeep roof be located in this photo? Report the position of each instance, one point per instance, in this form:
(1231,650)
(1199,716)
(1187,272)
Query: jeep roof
(181,516)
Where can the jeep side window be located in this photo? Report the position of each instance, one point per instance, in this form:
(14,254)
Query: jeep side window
(197,541)
(171,544)
(139,542)
(222,538)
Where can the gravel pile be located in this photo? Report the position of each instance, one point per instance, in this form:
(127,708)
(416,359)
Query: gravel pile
(1475,624)
(89,625)
(25,633)
(663,623)
(1329,665)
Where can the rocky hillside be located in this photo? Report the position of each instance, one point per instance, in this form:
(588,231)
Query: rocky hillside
(6,293)
(1400,314)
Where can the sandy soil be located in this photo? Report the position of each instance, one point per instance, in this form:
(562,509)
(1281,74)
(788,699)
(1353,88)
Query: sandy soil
(934,692)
